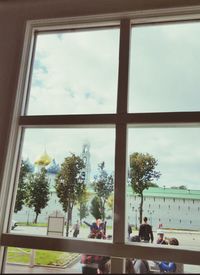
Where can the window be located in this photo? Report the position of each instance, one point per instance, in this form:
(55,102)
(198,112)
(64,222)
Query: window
(69,78)
(64,76)
(110,127)
(165,44)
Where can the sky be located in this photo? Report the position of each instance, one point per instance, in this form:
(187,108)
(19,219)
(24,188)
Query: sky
(76,73)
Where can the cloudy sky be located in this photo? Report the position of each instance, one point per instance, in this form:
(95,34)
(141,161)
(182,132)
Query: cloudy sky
(76,72)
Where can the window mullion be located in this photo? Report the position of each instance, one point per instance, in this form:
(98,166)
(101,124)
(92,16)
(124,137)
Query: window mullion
(125,31)
(120,151)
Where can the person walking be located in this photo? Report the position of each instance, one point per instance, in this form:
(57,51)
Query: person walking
(129,231)
(145,231)
(76,228)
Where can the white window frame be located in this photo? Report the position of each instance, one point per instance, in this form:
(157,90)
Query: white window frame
(119,248)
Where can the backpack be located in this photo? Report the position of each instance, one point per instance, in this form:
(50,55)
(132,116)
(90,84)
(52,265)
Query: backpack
(135,238)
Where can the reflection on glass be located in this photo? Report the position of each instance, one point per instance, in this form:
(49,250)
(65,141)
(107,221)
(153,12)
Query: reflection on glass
(66,183)
(142,266)
(164,70)
(22,260)
(75,73)
(163,183)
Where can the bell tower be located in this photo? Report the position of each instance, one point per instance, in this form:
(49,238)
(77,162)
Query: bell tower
(85,155)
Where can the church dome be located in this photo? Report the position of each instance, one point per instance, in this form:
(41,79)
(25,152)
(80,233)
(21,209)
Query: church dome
(53,167)
(29,165)
(43,160)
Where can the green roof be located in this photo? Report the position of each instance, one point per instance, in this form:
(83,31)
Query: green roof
(168,193)
(161,192)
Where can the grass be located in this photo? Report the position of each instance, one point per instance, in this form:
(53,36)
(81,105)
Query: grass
(15,255)
(32,224)
(42,257)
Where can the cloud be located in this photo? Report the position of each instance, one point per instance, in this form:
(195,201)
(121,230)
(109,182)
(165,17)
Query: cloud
(59,143)
(176,150)
(164,73)
(77,73)
(68,70)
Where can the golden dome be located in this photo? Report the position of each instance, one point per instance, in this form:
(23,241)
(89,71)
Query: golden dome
(43,160)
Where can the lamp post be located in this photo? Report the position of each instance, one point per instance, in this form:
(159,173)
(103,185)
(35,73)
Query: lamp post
(136,219)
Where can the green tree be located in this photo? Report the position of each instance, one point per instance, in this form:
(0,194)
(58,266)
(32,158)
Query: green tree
(142,173)
(70,185)
(95,208)
(182,187)
(38,192)
(103,186)
(110,202)
(82,206)
(21,190)
(110,206)
(83,211)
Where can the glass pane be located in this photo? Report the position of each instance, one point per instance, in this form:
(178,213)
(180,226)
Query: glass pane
(141,266)
(163,184)
(164,71)
(66,183)
(75,73)
(21,260)
(24,260)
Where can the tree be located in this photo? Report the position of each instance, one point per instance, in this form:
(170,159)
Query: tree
(110,205)
(182,187)
(110,202)
(82,206)
(83,211)
(70,185)
(95,208)
(21,190)
(38,192)
(142,173)
(103,186)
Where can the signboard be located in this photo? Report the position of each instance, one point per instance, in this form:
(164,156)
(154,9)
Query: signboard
(56,222)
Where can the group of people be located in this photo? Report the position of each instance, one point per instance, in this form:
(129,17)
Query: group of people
(95,264)
(146,235)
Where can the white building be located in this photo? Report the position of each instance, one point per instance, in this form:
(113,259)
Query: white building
(173,208)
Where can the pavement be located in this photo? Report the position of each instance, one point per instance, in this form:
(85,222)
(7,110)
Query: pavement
(187,239)
(75,269)
(17,268)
